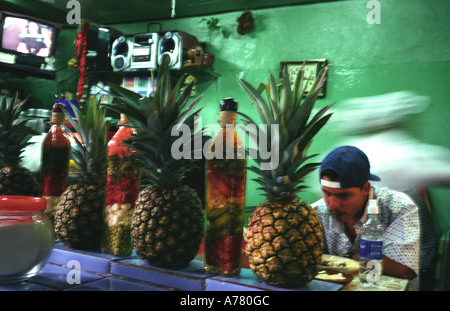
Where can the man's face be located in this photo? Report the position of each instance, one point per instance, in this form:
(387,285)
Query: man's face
(345,204)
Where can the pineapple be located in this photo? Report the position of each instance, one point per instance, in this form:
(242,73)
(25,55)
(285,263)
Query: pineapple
(284,239)
(14,134)
(168,217)
(79,214)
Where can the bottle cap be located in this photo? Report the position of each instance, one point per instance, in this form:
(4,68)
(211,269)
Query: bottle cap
(228,104)
(373,207)
(56,108)
(228,108)
(57,115)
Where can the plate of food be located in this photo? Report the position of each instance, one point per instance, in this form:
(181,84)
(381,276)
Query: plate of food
(339,264)
(334,276)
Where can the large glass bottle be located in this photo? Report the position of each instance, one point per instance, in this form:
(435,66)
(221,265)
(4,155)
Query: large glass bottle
(225,196)
(122,187)
(55,158)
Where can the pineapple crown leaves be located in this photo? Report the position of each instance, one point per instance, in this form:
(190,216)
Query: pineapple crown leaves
(14,133)
(91,152)
(291,111)
(155,118)
(160,111)
(9,116)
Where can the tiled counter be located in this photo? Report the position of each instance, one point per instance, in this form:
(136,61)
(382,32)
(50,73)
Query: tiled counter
(73,270)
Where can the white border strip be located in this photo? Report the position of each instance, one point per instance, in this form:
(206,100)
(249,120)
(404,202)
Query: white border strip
(330,184)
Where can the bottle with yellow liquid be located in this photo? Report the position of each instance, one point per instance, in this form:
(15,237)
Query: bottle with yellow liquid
(225,196)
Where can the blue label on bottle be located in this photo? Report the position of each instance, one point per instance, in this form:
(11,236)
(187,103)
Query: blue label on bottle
(371,249)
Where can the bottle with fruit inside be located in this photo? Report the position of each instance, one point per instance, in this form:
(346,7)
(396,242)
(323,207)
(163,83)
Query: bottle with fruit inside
(55,157)
(225,196)
(122,187)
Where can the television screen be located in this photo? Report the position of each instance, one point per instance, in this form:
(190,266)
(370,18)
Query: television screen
(27,36)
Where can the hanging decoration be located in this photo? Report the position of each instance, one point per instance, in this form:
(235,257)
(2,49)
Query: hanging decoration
(245,23)
(78,62)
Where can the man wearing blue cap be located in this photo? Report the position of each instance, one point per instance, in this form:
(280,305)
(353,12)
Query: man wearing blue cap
(345,182)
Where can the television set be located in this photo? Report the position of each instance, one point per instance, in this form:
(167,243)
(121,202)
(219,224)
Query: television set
(27,44)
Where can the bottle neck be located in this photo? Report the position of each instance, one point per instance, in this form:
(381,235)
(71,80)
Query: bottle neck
(227,117)
(123,120)
(372,217)
(57,118)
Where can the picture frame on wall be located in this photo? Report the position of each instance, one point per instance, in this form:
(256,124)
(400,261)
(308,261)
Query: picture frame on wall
(312,69)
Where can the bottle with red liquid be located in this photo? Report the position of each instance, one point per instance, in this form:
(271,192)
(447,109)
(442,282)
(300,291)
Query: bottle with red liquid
(122,187)
(225,196)
(55,159)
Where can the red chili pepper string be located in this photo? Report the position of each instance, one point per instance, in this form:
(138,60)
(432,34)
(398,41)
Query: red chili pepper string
(81,46)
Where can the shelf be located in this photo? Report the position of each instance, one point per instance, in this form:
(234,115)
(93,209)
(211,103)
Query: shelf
(21,71)
(103,272)
(204,76)
(205,73)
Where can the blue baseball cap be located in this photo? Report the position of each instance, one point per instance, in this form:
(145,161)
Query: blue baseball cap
(351,166)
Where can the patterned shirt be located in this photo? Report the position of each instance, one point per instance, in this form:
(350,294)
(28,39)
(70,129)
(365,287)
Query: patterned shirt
(400,218)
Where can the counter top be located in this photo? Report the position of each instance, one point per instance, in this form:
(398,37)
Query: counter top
(74,270)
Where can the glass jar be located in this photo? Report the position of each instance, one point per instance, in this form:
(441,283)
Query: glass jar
(26,237)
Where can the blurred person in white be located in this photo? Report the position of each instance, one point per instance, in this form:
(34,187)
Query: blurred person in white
(374,125)
(403,163)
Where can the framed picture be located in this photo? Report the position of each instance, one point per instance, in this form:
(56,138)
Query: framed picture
(312,69)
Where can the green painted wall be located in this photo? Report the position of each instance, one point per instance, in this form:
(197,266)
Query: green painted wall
(409,50)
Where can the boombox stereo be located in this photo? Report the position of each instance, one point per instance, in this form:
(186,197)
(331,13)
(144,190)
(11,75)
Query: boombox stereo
(135,52)
(145,51)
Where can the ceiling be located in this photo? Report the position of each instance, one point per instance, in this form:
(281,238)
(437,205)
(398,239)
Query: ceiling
(107,12)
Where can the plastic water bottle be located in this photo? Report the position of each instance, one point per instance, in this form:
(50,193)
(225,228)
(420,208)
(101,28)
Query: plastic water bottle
(371,248)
